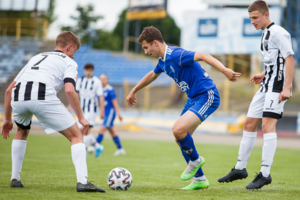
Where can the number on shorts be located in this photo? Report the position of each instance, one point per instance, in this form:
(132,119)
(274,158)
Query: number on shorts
(271,103)
(37,68)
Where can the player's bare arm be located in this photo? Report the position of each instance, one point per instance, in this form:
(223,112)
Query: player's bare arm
(286,92)
(74,101)
(230,74)
(149,78)
(101,102)
(117,108)
(257,78)
(7,124)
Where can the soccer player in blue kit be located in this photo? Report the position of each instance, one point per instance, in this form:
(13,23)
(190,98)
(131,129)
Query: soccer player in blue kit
(203,97)
(111,109)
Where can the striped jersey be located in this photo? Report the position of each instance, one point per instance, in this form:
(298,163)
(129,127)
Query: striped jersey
(43,76)
(109,94)
(276,46)
(89,89)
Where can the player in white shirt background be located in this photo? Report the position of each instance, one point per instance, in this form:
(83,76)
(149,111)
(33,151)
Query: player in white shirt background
(267,104)
(89,88)
(33,92)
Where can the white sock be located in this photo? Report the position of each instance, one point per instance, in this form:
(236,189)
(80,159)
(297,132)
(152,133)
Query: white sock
(201,178)
(87,139)
(268,152)
(196,162)
(18,148)
(79,160)
(246,147)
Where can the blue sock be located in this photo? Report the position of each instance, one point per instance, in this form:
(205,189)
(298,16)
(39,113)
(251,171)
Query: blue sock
(117,142)
(187,159)
(100,138)
(187,145)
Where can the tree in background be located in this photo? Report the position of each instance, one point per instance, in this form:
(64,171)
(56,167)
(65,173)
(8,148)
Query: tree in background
(84,22)
(167,26)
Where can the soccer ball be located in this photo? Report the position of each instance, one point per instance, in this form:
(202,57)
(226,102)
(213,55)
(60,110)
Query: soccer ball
(119,179)
(91,149)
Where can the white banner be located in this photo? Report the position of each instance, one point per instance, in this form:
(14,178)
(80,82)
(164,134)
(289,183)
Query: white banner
(222,31)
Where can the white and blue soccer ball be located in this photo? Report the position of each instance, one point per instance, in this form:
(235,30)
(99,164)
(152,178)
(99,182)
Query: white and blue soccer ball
(119,179)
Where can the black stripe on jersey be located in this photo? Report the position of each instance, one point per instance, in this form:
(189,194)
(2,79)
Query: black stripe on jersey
(27,94)
(86,83)
(16,95)
(89,105)
(95,107)
(269,78)
(261,45)
(279,79)
(266,41)
(70,80)
(92,84)
(83,108)
(21,126)
(272,115)
(42,91)
(81,82)
(263,81)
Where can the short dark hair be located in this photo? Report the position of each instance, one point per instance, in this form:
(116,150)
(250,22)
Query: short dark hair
(89,66)
(149,34)
(65,38)
(260,6)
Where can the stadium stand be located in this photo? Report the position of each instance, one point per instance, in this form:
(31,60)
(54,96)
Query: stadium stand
(14,55)
(117,67)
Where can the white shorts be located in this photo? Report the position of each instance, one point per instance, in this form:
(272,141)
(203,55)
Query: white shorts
(266,105)
(90,117)
(52,115)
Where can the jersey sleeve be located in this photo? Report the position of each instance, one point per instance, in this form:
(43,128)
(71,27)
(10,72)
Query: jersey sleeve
(71,73)
(283,42)
(182,57)
(112,94)
(158,69)
(99,90)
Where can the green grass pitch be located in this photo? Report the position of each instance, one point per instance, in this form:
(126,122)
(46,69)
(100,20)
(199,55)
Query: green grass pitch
(48,171)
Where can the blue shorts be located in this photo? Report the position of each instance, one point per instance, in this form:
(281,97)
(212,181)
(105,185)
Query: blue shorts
(109,118)
(204,104)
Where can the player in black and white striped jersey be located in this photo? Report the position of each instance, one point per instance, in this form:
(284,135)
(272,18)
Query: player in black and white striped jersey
(267,104)
(90,89)
(33,92)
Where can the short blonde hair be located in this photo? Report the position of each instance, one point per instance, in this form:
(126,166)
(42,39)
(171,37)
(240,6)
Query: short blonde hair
(65,38)
(260,6)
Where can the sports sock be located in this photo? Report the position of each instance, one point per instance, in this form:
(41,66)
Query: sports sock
(187,159)
(88,140)
(100,138)
(79,161)
(202,178)
(117,142)
(18,148)
(246,147)
(187,145)
(268,152)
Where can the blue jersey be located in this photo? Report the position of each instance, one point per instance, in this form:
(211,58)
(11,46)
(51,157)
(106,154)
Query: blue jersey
(179,64)
(109,94)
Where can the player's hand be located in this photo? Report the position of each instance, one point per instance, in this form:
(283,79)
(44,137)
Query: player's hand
(284,95)
(231,75)
(120,117)
(6,128)
(102,115)
(86,126)
(131,99)
(257,78)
